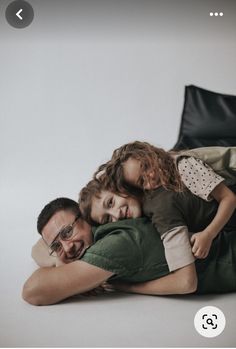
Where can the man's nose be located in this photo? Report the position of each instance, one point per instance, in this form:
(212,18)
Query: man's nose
(67,245)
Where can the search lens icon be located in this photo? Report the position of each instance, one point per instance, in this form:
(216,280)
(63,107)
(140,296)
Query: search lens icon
(209,322)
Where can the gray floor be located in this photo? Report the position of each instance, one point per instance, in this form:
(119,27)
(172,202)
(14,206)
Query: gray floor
(113,320)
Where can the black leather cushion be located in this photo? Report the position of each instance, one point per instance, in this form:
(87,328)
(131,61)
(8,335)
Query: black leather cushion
(208,119)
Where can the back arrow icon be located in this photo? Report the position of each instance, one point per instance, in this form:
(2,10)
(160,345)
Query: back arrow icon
(18,14)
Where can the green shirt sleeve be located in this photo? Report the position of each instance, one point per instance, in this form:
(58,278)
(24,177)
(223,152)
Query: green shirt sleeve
(164,210)
(129,248)
(118,252)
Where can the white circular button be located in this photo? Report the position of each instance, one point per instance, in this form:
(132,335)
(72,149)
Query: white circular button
(209,321)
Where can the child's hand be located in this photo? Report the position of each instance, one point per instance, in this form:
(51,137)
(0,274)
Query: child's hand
(201,243)
(117,286)
(103,288)
(58,262)
(95,292)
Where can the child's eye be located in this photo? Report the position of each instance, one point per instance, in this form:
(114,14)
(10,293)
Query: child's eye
(140,182)
(109,203)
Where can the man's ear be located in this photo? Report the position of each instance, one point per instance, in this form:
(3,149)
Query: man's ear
(40,255)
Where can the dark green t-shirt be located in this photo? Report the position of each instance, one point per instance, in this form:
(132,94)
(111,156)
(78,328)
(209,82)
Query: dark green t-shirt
(130,248)
(168,209)
(133,250)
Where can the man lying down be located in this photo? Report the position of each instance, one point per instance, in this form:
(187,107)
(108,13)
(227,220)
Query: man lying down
(128,253)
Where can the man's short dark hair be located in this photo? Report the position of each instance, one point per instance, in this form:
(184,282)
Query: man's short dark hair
(53,207)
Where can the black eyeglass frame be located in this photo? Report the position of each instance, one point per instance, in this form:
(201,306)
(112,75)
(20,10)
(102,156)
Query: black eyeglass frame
(50,250)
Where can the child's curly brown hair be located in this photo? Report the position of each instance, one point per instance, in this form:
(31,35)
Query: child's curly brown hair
(151,158)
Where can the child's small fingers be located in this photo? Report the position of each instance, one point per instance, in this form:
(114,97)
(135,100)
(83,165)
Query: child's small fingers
(205,254)
(198,253)
(108,287)
(194,248)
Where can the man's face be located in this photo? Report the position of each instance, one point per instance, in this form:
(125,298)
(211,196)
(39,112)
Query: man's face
(81,239)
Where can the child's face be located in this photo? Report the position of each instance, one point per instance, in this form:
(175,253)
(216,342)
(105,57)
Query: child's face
(110,207)
(134,175)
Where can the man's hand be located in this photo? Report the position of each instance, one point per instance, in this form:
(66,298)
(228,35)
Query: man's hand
(201,243)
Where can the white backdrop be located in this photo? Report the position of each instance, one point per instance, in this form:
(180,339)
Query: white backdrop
(85,78)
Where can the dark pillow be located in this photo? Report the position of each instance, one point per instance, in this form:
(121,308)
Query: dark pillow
(208,119)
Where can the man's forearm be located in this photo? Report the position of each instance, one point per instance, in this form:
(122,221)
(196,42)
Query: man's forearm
(51,285)
(182,281)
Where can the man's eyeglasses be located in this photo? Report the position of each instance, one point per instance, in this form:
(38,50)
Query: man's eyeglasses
(65,234)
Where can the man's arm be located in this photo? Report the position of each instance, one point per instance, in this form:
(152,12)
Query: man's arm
(181,281)
(51,285)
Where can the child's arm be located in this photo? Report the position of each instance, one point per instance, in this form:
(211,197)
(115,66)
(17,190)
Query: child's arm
(227,204)
(166,212)
(41,256)
(181,281)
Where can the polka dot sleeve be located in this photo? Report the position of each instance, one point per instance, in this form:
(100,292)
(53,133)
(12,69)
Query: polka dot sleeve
(198,177)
